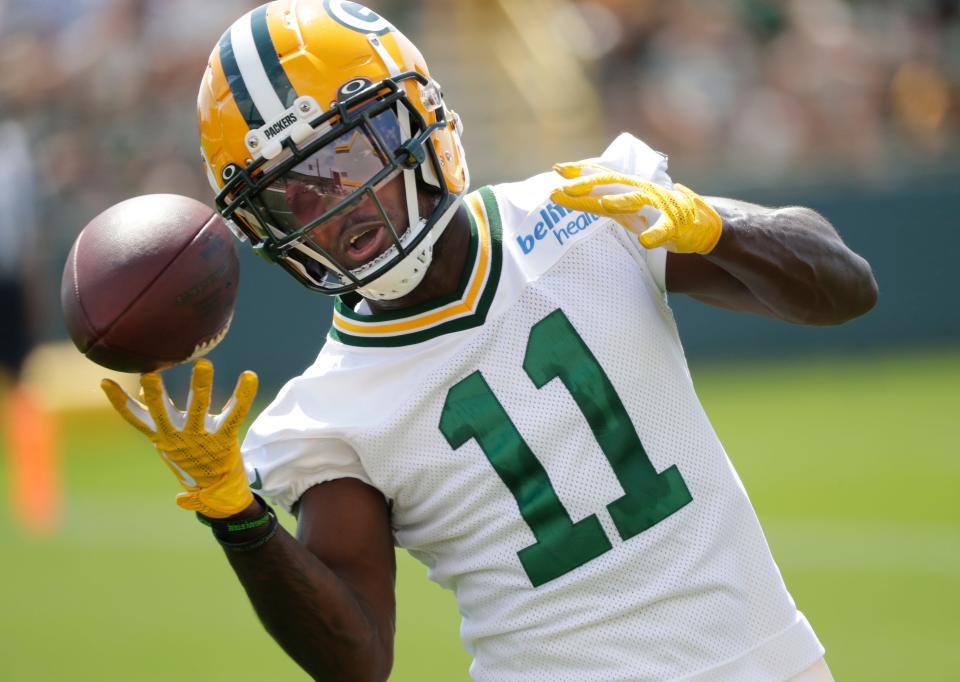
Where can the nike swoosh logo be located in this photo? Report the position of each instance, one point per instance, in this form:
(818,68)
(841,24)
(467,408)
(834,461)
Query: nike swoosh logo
(257,483)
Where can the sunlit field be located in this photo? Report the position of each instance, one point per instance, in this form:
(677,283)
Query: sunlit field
(852,464)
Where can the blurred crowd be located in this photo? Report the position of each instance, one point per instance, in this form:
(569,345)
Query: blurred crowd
(105,92)
(102,92)
(779,87)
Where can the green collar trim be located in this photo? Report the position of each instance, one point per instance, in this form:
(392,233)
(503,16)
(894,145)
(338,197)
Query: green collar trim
(440,322)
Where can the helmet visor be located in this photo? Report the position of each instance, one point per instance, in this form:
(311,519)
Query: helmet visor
(315,188)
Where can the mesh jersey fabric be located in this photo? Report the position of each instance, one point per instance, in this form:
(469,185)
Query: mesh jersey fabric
(696,595)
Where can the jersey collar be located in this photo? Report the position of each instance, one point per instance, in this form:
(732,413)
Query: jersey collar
(467,307)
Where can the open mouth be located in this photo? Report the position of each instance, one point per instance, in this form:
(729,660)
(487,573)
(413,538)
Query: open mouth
(365,241)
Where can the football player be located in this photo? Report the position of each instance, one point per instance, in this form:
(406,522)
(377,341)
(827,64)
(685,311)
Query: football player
(503,392)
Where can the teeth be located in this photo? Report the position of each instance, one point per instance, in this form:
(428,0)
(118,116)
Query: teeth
(353,240)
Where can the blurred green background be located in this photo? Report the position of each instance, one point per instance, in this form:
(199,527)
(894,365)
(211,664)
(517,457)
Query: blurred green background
(845,437)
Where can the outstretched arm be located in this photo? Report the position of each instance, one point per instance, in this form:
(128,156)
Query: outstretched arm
(787,263)
(327,597)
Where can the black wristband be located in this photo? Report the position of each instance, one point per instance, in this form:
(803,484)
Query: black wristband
(254,543)
(224,529)
(224,526)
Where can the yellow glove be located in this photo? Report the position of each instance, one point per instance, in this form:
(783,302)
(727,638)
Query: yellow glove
(688,224)
(201,449)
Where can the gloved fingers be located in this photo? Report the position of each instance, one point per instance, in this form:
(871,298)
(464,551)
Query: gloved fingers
(581,169)
(158,402)
(658,235)
(602,183)
(587,204)
(244,394)
(576,169)
(568,170)
(198,401)
(235,411)
(632,222)
(683,189)
(625,203)
(132,411)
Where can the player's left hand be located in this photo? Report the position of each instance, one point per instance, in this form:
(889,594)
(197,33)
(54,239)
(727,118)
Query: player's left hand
(202,450)
(688,223)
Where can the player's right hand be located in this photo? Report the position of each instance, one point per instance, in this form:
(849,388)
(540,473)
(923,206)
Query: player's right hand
(201,449)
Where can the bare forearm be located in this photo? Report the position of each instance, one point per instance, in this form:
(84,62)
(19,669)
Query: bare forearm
(793,262)
(311,612)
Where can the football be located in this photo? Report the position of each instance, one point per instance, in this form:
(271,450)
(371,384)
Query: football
(150,283)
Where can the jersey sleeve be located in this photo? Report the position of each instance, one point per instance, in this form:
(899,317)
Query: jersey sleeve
(656,260)
(288,450)
(287,469)
(628,154)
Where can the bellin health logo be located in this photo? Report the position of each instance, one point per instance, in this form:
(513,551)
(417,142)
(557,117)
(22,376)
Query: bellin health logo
(556,221)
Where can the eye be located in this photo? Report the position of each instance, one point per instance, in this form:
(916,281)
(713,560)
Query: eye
(305,201)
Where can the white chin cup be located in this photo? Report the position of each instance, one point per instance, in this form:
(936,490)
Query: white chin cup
(404,277)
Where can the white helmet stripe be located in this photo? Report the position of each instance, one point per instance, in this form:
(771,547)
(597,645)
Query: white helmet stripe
(252,71)
(385,56)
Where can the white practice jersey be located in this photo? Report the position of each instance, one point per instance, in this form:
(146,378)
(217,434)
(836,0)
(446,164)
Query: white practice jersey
(544,453)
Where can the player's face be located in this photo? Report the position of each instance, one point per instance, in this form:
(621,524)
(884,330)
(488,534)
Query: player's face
(355,236)
(334,180)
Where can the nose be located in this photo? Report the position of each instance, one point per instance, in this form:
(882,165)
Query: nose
(328,232)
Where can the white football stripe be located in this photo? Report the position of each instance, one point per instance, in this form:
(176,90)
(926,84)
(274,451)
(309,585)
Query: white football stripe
(252,71)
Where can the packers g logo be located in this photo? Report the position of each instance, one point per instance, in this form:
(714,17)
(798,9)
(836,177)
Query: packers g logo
(355,16)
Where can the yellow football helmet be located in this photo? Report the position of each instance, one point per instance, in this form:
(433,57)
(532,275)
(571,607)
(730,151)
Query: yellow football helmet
(314,111)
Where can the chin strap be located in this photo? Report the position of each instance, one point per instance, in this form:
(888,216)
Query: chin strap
(404,277)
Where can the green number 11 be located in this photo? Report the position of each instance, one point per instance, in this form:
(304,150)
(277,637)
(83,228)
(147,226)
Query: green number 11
(472,412)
